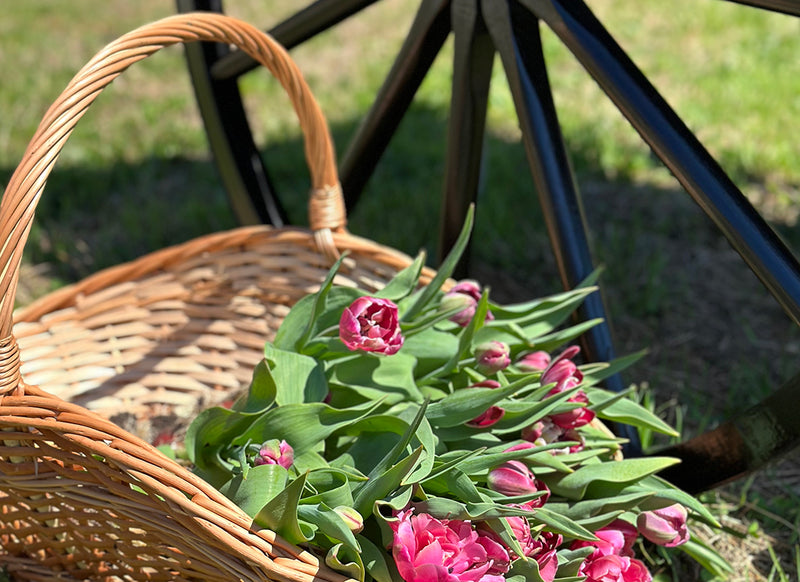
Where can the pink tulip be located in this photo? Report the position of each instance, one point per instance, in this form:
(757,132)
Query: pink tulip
(614,568)
(274,452)
(491,357)
(487,418)
(514,478)
(545,431)
(562,371)
(616,538)
(545,554)
(492,414)
(542,548)
(467,292)
(576,417)
(534,362)
(521,447)
(565,374)
(426,549)
(371,324)
(666,526)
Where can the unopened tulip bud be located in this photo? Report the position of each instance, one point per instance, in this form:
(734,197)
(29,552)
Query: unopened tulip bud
(275,452)
(665,526)
(466,293)
(514,478)
(351,517)
(534,362)
(491,357)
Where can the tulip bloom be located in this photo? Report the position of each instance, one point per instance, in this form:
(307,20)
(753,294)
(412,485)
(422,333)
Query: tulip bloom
(274,452)
(351,517)
(426,549)
(576,417)
(371,324)
(491,415)
(541,547)
(614,568)
(468,293)
(665,526)
(534,362)
(491,357)
(514,478)
(545,554)
(545,431)
(487,418)
(616,538)
(565,374)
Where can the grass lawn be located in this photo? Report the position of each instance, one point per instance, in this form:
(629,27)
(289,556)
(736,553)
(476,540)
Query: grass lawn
(136,174)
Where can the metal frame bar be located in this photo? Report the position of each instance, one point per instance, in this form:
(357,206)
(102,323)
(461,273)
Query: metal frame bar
(473,58)
(242,171)
(428,32)
(516,35)
(791,7)
(676,146)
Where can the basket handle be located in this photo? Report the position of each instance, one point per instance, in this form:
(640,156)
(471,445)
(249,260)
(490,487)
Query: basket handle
(326,204)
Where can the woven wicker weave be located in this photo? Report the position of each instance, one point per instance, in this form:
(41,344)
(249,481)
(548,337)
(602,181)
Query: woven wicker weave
(82,497)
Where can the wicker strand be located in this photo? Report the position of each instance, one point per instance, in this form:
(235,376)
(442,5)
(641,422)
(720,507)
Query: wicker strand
(9,365)
(327,215)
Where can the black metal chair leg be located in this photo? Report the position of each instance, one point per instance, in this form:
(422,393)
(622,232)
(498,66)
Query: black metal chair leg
(242,171)
(428,32)
(517,39)
(315,18)
(472,71)
(791,7)
(676,146)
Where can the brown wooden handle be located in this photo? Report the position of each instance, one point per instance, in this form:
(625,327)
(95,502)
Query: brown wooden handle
(326,206)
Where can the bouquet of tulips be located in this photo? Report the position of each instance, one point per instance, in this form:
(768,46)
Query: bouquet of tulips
(423,435)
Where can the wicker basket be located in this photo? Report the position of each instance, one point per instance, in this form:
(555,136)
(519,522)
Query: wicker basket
(158,338)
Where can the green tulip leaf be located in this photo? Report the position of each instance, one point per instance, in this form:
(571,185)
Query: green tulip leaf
(445,269)
(556,339)
(575,485)
(432,349)
(595,373)
(375,560)
(333,487)
(298,378)
(345,560)
(524,571)
(301,321)
(380,486)
(562,524)
(303,426)
(570,561)
(707,557)
(261,393)
(280,513)
(329,523)
(463,405)
(593,507)
(371,377)
(404,282)
(254,491)
(616,409)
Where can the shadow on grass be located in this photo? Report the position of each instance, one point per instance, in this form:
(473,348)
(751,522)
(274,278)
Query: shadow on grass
(672,283)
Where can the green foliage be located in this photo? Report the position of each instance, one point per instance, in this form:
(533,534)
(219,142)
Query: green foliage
(382,433)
